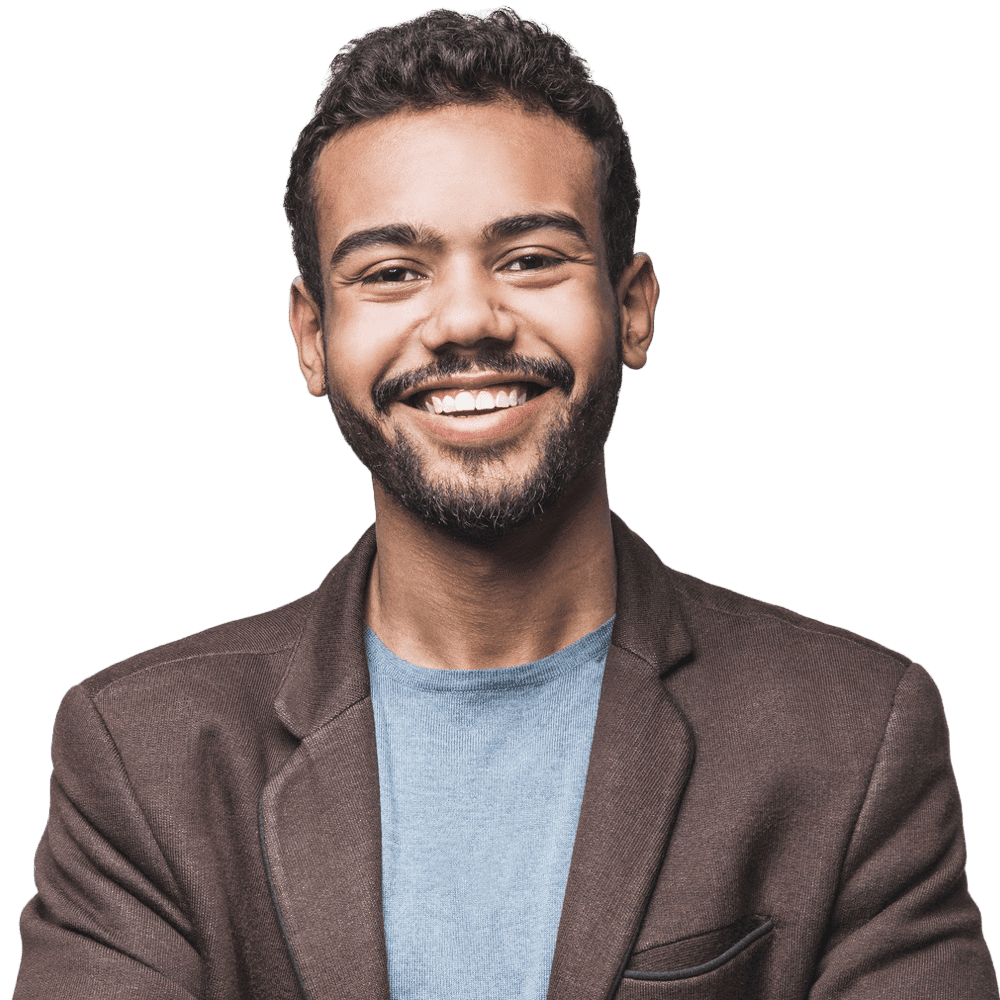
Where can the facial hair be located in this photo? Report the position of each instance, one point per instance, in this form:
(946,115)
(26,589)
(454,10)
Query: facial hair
(478,513)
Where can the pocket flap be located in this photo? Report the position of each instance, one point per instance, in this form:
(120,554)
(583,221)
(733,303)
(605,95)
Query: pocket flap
(694,956)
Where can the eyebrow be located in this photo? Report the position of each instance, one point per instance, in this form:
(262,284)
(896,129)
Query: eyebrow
(405,235)
(515,225)
(395,234)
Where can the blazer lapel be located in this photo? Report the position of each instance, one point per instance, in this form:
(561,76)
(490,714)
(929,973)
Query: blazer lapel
(640,761)
(320,826)
(319,813)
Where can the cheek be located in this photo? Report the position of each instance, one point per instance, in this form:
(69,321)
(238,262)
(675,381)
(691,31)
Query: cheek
(363,342)
(575,323)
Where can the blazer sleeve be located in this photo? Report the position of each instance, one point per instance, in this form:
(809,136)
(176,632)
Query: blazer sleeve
(904,924)
(108,920)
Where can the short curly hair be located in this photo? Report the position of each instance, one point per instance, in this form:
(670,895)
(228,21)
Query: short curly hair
(446,58)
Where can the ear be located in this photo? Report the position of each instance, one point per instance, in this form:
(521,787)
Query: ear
(306,321)
(638,291)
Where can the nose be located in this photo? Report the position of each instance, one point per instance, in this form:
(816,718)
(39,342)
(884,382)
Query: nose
(468,309)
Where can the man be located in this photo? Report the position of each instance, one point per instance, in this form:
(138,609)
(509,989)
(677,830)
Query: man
(502,751)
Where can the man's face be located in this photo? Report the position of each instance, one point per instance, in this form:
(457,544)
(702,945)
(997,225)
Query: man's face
(470,331)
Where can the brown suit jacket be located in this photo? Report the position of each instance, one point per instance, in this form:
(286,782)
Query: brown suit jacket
(769,812)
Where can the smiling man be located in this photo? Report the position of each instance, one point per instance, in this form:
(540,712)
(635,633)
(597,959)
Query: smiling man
(469,336)
(502,751)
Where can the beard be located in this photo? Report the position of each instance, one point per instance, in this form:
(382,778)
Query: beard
(475,512)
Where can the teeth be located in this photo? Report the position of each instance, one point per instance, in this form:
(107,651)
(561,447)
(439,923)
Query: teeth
(466,402)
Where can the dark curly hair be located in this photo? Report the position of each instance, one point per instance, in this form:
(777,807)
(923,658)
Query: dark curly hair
(445,58)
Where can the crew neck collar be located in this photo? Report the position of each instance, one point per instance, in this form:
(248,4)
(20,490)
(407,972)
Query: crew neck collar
(538,672)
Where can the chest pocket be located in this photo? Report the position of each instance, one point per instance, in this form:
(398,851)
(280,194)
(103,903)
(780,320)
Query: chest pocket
(718,965)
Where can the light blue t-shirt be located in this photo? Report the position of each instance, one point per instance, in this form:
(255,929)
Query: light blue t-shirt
(481,776)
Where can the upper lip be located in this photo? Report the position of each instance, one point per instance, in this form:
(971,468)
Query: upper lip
(472,381)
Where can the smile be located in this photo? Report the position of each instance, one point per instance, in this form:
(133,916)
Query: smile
(454,401)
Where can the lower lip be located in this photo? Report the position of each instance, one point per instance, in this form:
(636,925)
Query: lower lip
(478,427)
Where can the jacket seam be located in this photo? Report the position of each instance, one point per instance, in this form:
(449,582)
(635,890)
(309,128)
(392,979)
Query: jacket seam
(294,645)
(857,816)
(899,658)
(262,834)
(182,896)
(639,656)
(263,840)
(208,654)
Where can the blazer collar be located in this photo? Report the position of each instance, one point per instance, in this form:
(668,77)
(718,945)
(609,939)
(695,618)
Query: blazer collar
(319,814)
(650,621)
(320,828)
(328,670)
(640,761)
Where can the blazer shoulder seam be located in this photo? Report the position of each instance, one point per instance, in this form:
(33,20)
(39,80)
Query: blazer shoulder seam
(263,634)
(173,661)
(805,625)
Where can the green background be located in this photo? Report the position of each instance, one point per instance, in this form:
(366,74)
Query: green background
(813,428)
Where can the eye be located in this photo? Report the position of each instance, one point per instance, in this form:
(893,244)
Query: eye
(532,262)
(391,275)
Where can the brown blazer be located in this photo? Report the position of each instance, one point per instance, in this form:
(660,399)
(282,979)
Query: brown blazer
(769,812)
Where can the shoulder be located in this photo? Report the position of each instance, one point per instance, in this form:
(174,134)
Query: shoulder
(230,678)
(668,608)
(743,620)
(161,716)
(256,649)
(783,705)
(807,689)
(736,665)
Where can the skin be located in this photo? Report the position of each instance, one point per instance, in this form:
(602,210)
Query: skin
(394,305)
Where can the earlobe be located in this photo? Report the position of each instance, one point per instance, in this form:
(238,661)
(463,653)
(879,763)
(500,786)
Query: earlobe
(306,321)
(638,291)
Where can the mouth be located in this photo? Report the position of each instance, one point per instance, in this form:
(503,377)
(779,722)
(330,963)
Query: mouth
(463,398)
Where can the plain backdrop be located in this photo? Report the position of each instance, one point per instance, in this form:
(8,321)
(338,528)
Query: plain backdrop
(816,426)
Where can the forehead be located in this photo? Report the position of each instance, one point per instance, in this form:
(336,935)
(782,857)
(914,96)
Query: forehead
(454,169)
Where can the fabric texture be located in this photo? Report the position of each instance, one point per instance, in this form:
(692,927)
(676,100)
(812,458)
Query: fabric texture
(769,812)
(481,775)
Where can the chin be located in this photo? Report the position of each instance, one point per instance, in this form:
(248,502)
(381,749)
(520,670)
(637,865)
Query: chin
(478,509)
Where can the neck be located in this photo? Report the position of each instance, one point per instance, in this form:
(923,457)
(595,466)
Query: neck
(439,601)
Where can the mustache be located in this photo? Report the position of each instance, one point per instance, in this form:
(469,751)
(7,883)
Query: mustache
(552,370)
